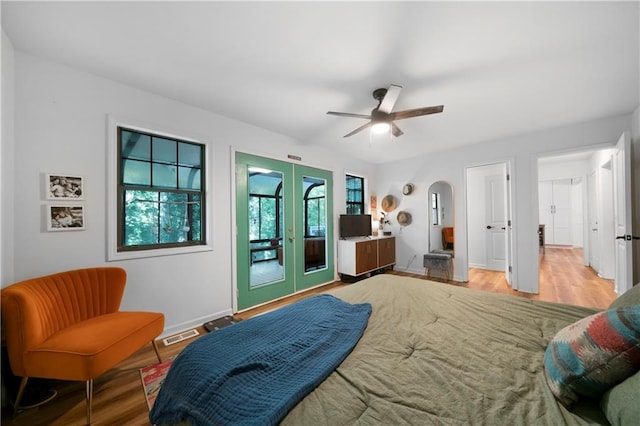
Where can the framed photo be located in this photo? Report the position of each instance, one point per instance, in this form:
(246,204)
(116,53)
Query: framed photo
(65,218)
(64,187)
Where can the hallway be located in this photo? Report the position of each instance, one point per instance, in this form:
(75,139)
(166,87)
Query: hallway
(563,279)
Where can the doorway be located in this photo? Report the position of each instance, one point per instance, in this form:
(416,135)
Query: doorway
(489,230)
(284,221)
(589,175)
(575,207)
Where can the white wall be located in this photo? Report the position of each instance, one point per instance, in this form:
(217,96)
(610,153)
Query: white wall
(449,166)
(61,127)
(562,169)
(7,231)
(635,189)
(577,212)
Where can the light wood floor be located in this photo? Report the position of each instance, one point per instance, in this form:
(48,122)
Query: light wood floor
(118,395)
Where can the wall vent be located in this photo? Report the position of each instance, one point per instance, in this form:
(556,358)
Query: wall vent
(180,337)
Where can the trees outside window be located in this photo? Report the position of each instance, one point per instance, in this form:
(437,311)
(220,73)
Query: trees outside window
(161,187)
(315,213)
(355,194)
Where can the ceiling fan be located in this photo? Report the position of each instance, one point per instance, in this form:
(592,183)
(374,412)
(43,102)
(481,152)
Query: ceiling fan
(381,118)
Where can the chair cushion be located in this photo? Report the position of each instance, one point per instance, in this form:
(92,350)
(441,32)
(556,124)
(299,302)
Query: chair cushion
(437,261)
(87,349)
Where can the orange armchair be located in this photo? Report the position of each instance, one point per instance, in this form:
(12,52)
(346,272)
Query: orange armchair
(447,238)
(68,326)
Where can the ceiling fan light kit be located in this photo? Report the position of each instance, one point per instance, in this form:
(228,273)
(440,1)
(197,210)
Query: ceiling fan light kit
(380,127)
(381,119)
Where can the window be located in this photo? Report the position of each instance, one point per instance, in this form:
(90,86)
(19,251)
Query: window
(355,195)
(161,191)
(265,213)
(314,207)
(435,208)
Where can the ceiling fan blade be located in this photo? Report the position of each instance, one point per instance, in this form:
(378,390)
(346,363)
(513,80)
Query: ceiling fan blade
(396,130)
(390,98)
(348,114)
(359,129)
(401,115)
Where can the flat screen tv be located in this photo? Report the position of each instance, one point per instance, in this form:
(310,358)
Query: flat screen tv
(355,225)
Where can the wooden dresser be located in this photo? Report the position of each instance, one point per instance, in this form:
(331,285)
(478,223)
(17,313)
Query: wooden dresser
(357,256)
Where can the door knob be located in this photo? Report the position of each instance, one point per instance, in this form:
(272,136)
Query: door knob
(489,227)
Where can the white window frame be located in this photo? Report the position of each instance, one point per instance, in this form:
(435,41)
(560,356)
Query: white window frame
(113,123)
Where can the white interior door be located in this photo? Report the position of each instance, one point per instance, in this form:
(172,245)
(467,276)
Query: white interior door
(592,211)
(496,222)
(562,211)
(606,216)
(554,204)
(622,215)
(509,231)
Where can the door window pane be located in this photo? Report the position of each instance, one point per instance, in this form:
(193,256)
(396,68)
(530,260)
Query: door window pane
(265,225)
(315,223)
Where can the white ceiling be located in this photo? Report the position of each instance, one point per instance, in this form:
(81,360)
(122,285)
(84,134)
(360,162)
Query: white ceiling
(500,68)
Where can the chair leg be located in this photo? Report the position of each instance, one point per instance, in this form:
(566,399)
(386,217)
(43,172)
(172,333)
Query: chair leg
(89,398)
(155,348)
(21,388)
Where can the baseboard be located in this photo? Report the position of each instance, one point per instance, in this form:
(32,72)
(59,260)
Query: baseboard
(193,323)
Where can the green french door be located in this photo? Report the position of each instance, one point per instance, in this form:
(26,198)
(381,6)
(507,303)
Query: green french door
(313,213)
(284,229)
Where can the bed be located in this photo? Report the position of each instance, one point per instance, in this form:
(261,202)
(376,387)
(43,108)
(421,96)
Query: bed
(440,354)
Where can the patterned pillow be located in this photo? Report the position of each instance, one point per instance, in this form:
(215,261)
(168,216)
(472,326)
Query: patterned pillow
(593,354)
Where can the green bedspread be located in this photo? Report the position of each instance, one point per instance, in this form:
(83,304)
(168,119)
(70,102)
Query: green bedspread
(439,354)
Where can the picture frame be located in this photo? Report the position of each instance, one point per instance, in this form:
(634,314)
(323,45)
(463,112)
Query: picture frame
(64,187)
(65,217)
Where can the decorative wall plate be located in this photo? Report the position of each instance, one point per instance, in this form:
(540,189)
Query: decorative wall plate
(388,203)
(407,189)
(404,218)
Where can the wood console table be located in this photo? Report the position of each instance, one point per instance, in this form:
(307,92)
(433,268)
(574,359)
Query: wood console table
(358,256)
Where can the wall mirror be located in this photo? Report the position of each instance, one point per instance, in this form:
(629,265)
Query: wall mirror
(441,232)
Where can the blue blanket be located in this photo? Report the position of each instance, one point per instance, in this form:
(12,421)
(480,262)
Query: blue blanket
(254,372)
